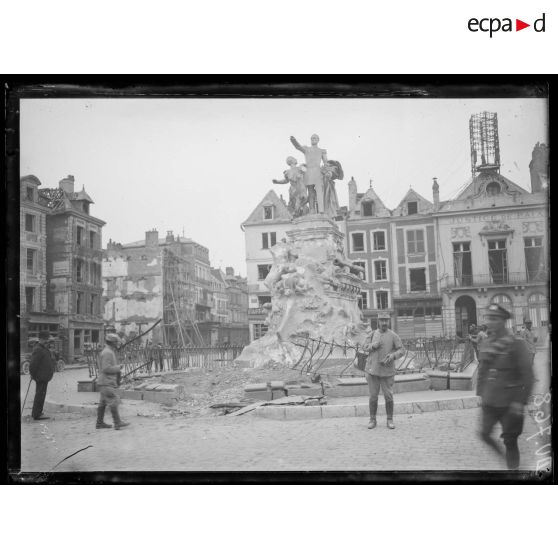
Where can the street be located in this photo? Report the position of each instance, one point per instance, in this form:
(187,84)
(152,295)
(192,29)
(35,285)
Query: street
(432,441)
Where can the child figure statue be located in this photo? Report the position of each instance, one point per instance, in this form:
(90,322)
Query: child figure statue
(298,198)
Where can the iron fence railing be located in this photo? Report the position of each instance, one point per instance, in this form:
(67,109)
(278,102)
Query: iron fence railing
(497,278)
(143,361)
(438,353)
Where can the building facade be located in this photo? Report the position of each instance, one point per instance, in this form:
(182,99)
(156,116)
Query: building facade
(74,264)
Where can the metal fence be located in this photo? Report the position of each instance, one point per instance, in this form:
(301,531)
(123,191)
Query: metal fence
(144,361)
(438,352)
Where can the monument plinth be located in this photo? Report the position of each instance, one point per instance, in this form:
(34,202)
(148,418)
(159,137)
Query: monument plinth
(314,292)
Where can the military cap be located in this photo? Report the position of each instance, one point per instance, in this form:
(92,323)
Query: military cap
(112,338)
(44,334)
(383,316)
(498,311)
(527,321)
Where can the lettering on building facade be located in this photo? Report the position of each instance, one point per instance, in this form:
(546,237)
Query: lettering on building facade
(460,232)
(511,216)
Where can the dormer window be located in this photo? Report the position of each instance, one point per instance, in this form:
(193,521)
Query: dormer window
(493,189)
(29,194)
(412,208)
(367,209)
(268,212)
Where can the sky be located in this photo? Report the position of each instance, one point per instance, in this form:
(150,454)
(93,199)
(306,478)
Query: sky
(198,167)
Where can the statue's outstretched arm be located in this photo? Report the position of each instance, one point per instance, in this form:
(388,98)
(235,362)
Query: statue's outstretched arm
(296,144)
(284,181)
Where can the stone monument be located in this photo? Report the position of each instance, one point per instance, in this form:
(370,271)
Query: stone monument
(314,289)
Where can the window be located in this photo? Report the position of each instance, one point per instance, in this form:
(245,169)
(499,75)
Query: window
(29,194)
(498,261)
(363,266)
(415,241)
(79,302)
(30,299)
(31,261)
(263,271)
(412,208)
(382,300)
(29,222)
(363,301)
(379,240)
(77,339)
(79,239)
(92,240)
(534,259)
(380,270)
(93,304)
(493,189)
(358,242)
(269,240)
(94,335)
(79,271)
(268,212)
(367,209)
(418,279)
(264,300)
(260,330)
(462,264)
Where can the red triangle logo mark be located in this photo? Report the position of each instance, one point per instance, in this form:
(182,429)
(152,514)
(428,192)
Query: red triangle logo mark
(519,25)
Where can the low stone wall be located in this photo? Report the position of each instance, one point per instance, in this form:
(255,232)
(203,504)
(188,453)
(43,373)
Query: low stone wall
(462,381)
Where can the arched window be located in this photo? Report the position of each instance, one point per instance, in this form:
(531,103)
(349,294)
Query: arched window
(538,309)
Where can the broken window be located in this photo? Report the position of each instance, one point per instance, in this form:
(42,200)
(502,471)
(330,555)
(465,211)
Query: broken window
(534,259)
(29,222)
(358,242)
(381,300)
(415,241)
(418,279)
(367,209)
(380,270)
(263,271)
(498,261)
(462,264)
(379,240)
(260,330)
(412,208)
(264,300)
(363,266)
(363,301)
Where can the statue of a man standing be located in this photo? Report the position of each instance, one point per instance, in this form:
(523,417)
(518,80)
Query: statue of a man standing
(313,179)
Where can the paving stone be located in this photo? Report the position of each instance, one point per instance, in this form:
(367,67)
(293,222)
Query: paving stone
(301,412)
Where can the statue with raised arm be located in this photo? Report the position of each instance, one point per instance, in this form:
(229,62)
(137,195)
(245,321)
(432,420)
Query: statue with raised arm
(313,179)
(298,198)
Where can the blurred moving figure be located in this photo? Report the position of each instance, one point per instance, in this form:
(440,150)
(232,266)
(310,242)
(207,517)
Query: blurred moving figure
(504,383)
(482,336)
(530,339)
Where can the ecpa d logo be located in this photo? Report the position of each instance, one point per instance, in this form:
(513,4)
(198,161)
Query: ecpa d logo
(494,24)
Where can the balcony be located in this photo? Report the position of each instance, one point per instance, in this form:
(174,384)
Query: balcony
(496,279)
(257,311)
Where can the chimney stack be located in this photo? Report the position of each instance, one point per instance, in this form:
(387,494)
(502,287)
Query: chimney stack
(229,270)
(170,237)
(152,239)
(436,194)
(352,194)
(67,184)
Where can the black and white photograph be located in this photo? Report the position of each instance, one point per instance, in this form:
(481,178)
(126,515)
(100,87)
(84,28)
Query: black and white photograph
(257,284)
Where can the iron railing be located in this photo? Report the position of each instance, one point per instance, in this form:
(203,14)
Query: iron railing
(144,361)
(509,278)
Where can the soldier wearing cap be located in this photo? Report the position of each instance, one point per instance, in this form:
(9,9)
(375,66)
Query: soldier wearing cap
(108,381)
(505,379)
(41,369)
(530,339)
(384,347)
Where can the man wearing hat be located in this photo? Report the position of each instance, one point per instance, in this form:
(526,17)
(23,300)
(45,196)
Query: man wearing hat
(384,348)
(530,338)
(108,380)
(505,379)
(41,369)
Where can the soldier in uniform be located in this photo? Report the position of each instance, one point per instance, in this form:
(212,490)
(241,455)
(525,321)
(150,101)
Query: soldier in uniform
(384,347)
(530,339)
(41,369)
(505,379)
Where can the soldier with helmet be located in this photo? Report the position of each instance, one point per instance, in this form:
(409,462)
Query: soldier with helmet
(108,381)
(505,379)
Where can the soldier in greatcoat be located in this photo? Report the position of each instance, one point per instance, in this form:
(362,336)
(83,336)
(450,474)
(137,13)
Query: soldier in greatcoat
(41,369)
(505,379)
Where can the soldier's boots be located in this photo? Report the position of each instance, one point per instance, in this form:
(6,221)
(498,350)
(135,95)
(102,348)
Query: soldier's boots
(373,405)
(101,418)
(389,413)
(372,423)
(118,424)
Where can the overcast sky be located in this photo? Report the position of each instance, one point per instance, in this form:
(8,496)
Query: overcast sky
(198,167)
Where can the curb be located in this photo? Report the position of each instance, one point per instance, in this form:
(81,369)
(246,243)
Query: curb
(301,412)
(87,410)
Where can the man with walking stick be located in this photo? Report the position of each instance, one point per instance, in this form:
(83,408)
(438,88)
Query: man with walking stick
(41,369)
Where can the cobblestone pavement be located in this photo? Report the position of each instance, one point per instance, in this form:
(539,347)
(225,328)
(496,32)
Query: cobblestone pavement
(432,441)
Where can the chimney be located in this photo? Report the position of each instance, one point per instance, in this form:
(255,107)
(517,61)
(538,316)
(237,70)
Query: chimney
(152,239)
(538,167)
(67,184)
(229,270)
(352,194)
(436,194)
(170,237)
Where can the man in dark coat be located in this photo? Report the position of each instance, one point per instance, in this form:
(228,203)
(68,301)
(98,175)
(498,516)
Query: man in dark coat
(504,383)
(41,369)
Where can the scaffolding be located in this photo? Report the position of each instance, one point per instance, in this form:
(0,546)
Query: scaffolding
(485,144)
